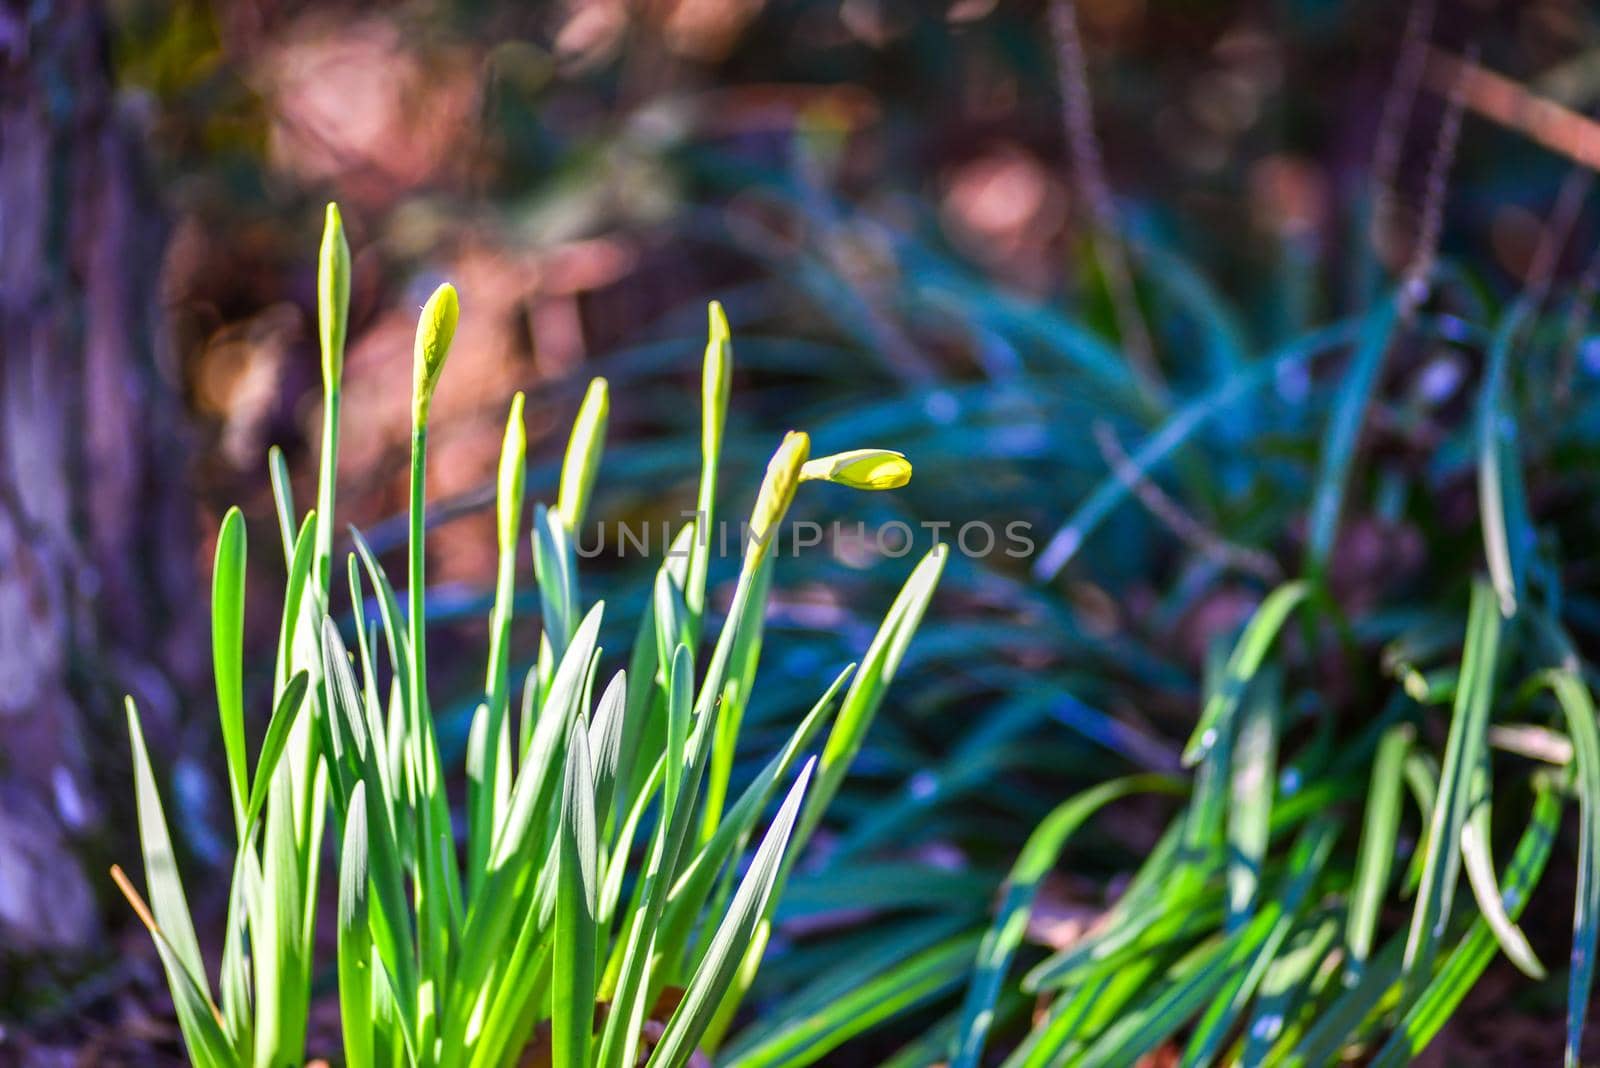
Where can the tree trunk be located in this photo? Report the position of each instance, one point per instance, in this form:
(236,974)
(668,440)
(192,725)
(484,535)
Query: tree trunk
(96,551)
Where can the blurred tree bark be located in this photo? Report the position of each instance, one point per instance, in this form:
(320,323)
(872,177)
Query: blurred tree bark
(96,553)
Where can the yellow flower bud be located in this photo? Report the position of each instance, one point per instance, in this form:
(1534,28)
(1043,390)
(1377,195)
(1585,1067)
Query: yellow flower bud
(716,374)
(582,460)
(513,474)
(778,488)
(866,469)
(333,297)
(435,329)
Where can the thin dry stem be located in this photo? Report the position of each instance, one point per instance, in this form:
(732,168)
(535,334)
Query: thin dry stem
(1424,255)
(1396,114)
(1184,526)
(1088,171)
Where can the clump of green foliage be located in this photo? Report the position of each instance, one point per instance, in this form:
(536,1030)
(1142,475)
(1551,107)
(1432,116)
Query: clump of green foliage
(598,903)
(1378,765)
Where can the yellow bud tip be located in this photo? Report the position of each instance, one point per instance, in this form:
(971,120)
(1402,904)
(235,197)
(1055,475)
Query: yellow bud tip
(865,469)
(779,485)
(510,488)
(720,334)
(333,296)
(435,329)
(584,449)
(716,375)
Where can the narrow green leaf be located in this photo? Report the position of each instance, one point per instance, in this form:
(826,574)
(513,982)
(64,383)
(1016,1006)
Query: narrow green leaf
(1380,828)
(901,988)
(227,654)
(1468,723)
(572,1010)
(355,935)
(1243,664)
(1578,706)
(1499,488)
(869,687)
(168,904)
(272,746)
(1461,969)
(716,972)
(1251,788)
(1478,860)
(198,1018)
(1039,855)
(1344,430)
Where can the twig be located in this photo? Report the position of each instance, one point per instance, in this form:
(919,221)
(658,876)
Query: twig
(1499,99)
(1186,527)
(1077,112)
(1425,253)
(1396,114)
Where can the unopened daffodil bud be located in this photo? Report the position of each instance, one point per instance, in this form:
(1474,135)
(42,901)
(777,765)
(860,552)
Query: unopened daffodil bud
(716,374)
(778,488)
(333,297)
(582,461)
(512,477)
(435,329)
(866,469)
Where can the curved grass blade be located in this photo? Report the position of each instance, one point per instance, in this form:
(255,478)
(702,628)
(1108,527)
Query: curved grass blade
(1478,860)
(1174,433)
(1243,664)
(272,746)
(1138,1030)
(1039,855)
(1344,429)
(1339,1023)
(809,1039)
(1285,984)
(1578,706)
(1438,1001)
(868,688)
(1261,941)
(169,907)
(1499,490)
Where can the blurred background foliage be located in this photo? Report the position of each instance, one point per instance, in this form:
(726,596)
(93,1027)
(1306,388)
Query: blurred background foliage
(887,197)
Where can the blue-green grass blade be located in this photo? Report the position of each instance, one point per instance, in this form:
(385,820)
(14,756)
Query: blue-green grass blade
(1176,432)
(1468,724)
(1243,664)
(1577,704)
(1039,855)
(1461,969)
(1337,454)
(810,1038)
(1503,514)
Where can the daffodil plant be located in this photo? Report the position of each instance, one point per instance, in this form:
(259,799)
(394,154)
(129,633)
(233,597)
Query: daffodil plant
(604,905)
